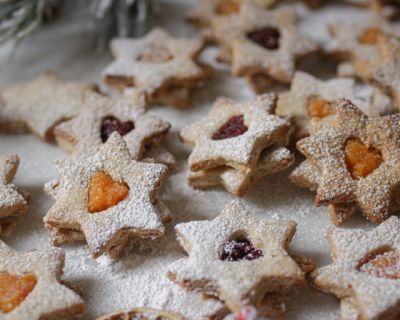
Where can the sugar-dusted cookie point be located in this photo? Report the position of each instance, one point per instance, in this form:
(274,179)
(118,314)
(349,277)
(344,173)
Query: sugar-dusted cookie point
(110,124)
(105,192)
(361,160)
(384,264)
(319,108)
(142,314)
(232,128)
(267,37)
(240,249)
(364,272)
(14,289)
(109,181)
(31,286)
(220,257)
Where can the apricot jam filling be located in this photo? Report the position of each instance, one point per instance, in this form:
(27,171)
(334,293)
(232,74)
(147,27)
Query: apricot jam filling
(14,289)
(319,108)
(227,7)
(105,192)
(369,36)
(361,160)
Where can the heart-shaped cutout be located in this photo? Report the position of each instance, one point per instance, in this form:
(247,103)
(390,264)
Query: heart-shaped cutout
(105,192)
(14,289)
(155,54)
(361,160)
(268,37)
(369,36)
(232,128)
(110,124)
(383,265)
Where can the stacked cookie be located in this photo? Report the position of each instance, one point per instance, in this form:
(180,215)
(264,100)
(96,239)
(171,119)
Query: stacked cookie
(237,144)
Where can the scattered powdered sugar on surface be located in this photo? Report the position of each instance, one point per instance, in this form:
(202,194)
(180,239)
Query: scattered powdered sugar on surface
(139,279)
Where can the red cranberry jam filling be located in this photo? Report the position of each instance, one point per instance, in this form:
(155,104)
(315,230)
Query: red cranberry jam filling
(240,249)
(111,124)
(267,37)
(232,128)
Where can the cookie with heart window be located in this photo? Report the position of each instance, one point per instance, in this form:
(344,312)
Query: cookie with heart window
(262,44)
(109,197)
(232,247)
(31,286)
(162,68)
(358,160)
(13,202)
(101,116)
(365,268)
(39,105)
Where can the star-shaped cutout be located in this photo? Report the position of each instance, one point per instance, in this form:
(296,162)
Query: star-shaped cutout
(376,137)
(135,215)
(365,271)
(87,132)
(12,201)
(272,160)
(268,43)
(158,65)
(46,296)
(259,129)
(240,282)
(40,104)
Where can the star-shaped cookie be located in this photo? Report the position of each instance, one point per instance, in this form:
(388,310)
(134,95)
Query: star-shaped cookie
(358,158)
(310,97)
(271,160)
(100,117)
(31,289)
(365,271)
(12,201)
(108,196)
(161,67)
(236,257)
(268,43)
(40,104)
(235,133)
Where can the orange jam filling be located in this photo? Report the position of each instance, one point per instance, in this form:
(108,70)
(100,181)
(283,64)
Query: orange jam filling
(361,160)
(226,7)
(369,36)
(319,108)
(14,289)
(155,54)
(105,192)
(385,265)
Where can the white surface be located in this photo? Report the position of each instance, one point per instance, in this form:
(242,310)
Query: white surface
(139,279)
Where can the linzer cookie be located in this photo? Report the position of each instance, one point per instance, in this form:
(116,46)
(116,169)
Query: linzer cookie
(356,41)
(101,116)
(358,160)
(311,98)
(40,104)
(232,247)
(264,44)
(365,272)
(161,67)
(142,313)
(12,201)
(109,197)
(31,287)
